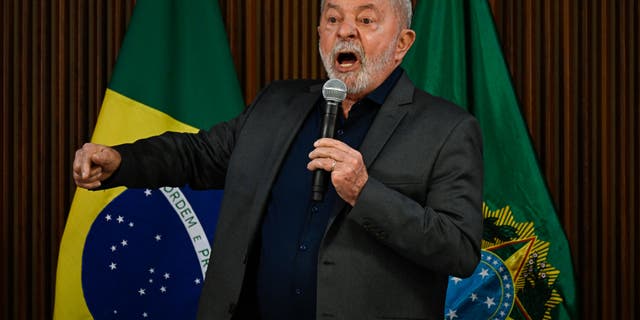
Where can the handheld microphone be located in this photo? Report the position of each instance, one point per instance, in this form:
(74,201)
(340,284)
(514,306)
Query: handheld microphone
(334,91)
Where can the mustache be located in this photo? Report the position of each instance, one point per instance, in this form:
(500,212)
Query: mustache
(347,46)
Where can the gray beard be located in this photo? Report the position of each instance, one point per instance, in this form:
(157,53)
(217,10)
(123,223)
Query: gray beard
(356,81)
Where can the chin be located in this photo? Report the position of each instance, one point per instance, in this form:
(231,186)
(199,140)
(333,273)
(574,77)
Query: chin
(356,81)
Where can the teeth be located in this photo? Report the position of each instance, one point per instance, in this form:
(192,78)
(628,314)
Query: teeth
(346,65)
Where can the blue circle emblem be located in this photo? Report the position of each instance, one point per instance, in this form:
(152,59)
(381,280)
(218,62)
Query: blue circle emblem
(488,294)
(146,253)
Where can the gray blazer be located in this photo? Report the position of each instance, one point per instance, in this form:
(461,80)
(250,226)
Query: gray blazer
(417,220)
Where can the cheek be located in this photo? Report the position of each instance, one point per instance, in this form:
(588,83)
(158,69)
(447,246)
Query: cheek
(325,42)
(326,31)
(379,36)
(375,46)
(379,46)
(324,46)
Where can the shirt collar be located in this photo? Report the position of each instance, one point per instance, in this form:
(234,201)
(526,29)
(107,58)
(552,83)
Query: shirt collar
(379,95)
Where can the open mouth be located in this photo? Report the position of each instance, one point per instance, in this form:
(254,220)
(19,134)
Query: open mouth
(347,59)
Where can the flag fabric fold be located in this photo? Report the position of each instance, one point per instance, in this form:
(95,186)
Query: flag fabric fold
(130,253)
(526,270)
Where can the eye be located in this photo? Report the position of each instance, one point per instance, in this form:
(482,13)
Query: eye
(332,19)
(367,20)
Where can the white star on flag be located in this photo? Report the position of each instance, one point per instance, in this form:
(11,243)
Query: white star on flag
(124,243)
(452,314)
(163,289)
(108,217)
(113,266)
(484,273)
(141,292)
(152,270)
(197,280)
(113,248)
(158,237)
(166,276)
(489,302)
(120,219)
(474,297)
(456,280)
(147,192)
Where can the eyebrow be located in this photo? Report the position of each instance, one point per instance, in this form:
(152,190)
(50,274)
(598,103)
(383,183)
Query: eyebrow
(367,6)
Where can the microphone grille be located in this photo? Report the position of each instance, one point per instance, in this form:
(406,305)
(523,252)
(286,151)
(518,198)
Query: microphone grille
(334,90)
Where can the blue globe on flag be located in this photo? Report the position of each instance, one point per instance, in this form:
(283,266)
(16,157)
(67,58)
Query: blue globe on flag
(147,252)
(488,293)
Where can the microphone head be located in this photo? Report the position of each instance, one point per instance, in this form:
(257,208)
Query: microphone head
(334,90)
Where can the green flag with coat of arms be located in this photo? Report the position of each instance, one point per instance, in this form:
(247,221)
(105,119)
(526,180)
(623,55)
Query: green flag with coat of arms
(526,270)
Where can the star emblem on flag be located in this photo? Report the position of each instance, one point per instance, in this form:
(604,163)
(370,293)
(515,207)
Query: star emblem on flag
(146,271)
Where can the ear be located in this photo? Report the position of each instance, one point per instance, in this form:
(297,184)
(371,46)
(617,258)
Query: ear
(405,41)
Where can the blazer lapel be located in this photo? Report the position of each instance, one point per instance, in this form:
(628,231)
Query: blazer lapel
(283,137)
(387,120)
(383,126)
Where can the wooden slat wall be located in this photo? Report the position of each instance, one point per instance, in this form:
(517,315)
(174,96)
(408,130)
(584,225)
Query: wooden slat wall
(575,68)
(56,60)
(272,40)
(574,65)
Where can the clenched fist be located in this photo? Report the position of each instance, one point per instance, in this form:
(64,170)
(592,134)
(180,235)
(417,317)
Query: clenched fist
(93,164)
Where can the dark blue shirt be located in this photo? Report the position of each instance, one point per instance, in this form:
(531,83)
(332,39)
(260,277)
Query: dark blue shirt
(294,225)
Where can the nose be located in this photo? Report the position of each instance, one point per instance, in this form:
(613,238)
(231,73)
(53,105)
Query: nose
(347,30)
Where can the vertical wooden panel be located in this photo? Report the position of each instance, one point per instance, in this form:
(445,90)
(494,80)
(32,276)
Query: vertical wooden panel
(608,256)
(38,221)
(276,63)
(7,158)
(623,138)
(305,38)
(21,223)
(551,111)
(569,134)
(632,11)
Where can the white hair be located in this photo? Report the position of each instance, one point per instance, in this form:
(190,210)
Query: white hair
(402,8)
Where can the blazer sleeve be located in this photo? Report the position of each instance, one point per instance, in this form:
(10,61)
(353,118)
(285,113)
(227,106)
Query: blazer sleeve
(445,234)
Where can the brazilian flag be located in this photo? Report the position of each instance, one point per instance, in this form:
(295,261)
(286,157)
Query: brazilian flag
(526,270)
(142,253)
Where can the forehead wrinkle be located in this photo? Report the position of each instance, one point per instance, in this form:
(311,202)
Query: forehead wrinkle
(332,6)
(363,7)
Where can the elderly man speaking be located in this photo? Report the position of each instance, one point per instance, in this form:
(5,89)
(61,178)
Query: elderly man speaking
(400,213)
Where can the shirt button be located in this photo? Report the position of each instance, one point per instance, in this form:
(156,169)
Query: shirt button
(340,132)
(314,209)
(298,291)
(303,247)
